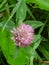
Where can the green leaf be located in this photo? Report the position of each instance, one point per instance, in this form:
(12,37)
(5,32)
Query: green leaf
(43,4)
(34,24)
(21,13)
(36,38)
(44,51)
(36,41)
(7,46)
(30,1)
(4,1)
(36,44)
(29,51)
(9,25)
(8,49)
(21,58)
(15,9)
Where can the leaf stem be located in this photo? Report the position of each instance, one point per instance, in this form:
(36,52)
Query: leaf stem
(31,60)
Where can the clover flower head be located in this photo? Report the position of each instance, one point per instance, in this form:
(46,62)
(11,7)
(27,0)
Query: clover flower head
(23,35)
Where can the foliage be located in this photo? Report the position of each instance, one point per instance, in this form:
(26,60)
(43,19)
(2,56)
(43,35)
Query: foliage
(32,12)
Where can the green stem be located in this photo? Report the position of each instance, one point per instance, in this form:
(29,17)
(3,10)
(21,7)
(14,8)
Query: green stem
(30,13)
(3,3)
(8,7)
(34,6)
(41,29)
(31,60)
